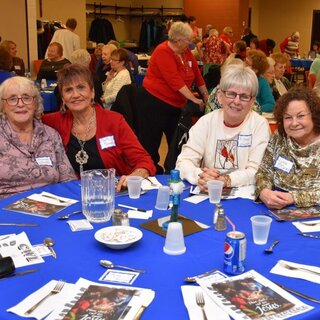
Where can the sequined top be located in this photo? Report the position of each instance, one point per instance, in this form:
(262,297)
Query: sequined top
(290,167)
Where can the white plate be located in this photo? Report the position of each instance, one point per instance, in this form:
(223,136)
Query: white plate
(118,237)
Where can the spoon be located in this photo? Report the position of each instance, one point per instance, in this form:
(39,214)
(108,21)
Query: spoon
(67,216)
(110,265)
(270,249)
(48,242)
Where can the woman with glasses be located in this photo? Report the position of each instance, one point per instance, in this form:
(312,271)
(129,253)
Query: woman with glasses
(166,88)
(227,144)
(289,172)
(31,153)
(117,77)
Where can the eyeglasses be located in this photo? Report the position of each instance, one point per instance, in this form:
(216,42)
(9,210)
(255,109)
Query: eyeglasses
(232,95)
(13,101)
(298,117)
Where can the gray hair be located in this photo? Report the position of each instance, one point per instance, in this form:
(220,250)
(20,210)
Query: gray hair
(180,30)
(22,84)
(81,56)
(237,75)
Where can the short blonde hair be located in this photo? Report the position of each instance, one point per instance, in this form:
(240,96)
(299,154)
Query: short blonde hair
(81,56)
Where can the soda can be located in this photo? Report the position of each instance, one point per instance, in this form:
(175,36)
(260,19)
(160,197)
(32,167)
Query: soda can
(235,252)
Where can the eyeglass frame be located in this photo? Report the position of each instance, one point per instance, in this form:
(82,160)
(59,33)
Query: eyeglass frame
(18,99)
(241,95)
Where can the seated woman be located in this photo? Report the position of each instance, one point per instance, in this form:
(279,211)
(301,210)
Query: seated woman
(17,63)
(117,77)
(93,137)
(258,62)
(289,172)
(31,154)
(227,144)
(5,65)
(53,63)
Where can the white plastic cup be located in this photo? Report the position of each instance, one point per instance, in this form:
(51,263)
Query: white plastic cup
(215,190)
(134,186)
(260,229)
(174,244)
(163,197)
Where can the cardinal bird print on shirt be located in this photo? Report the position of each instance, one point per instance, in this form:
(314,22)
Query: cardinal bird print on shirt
(226,154)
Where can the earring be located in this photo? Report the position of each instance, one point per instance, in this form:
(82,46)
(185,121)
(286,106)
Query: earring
(63,108)
(92,102)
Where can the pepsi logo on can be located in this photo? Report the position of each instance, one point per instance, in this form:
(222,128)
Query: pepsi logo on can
(235,252)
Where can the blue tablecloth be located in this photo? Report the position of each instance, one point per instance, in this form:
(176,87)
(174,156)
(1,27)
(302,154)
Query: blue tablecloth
(50,103)
(301,63)
(78,253)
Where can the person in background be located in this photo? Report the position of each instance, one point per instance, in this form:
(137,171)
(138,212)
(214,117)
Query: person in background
(117,77)
(207,31)
(267,46)
(95,138)
(227,144)
(53,63)
(225,36)
(133,62)
(32,154)
(254,43)
(69,40)
(103,67)
(312,54)
(290,45)
(281,84)
(269,73)
(214,49)
(95,56)
(248,36)
(289,172)
(257,60)
(17,63)
(239,50)
(5,65)
(81,56)
(193,24)
(167,87)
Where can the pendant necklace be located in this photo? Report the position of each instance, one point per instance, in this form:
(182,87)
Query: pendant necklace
(82,156)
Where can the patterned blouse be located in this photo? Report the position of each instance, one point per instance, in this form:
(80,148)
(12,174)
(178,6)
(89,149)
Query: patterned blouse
(289,167)
(25,166)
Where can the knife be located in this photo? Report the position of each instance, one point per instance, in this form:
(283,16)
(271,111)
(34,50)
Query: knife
(298,293)
(309,235)
(21,273)
(146,302)
(19,224)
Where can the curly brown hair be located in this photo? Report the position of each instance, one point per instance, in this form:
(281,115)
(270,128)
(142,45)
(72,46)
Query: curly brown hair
(301,94)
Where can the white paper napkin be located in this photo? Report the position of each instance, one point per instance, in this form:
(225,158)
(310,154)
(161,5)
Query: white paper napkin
(304,228)
(213,312)
(47,306)
(52,198)
(301,274)
(146,184)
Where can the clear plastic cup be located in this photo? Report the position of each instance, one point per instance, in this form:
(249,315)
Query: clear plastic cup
(174,244)
(134,186)
(215,190)
(260,229)
(163,197)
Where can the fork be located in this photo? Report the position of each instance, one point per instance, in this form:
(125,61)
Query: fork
(58,287)
(151,182)
(201,303)
(55,198)
(298,268)
(311,224)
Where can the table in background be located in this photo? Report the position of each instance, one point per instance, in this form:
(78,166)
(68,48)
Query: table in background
(78,253)
(50,102)
(299,68)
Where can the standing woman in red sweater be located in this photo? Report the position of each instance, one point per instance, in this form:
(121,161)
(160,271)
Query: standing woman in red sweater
(166,88)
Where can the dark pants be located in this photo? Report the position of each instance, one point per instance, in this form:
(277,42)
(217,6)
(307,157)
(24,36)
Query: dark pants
(156,117)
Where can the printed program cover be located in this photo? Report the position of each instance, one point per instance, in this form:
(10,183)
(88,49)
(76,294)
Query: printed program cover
(100,303)
(289,214)
(251,296)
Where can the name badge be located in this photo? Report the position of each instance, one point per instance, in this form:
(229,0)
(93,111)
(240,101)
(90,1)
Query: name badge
(283,164)
(107,142)
(244,140)
(44,161)
(17,67)
(190,63)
